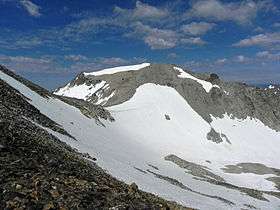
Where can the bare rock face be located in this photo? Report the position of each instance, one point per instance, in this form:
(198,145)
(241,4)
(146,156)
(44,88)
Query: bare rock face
(214,136)
(217,137)
(234,99)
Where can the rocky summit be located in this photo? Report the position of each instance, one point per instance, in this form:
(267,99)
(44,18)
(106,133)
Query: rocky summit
(118,138)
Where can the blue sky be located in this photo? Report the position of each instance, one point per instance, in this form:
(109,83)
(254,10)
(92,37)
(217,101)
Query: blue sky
(50,42)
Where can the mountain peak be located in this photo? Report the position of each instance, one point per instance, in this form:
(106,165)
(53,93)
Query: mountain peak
(171,132)
(206,93)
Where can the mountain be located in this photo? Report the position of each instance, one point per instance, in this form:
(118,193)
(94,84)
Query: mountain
(187,137)
(39,171)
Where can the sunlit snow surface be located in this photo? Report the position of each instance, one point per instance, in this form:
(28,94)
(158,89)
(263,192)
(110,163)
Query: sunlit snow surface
(141,135)
(206,85)
(82,91)
(118,69)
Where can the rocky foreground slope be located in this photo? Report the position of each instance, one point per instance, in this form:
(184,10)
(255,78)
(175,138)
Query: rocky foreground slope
(38,171)
(189,138)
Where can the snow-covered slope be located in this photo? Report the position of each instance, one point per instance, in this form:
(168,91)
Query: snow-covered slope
(118,69)
(159,141)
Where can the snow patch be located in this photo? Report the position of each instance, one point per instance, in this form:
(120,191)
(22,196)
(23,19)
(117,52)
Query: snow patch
(102,101)
(117,69)
(227,93)
(271,87)
(206,85)
(82,91)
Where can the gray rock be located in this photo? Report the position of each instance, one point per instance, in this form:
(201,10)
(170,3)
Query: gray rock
(216,137)
(236,99)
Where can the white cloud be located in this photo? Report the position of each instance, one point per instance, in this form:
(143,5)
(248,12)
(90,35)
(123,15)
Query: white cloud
(268,39)
(146,11)
(75,58)
(112,61)
(156,42)
(268,55)
(197,28)
(221,61)
(195,65)
(27,64)
(142,11)
(262,54)
(193,41)
(79,29)
(276,25)
(241,58)
(172,55)
(21,43)
(241,12)
(259,29)
(31,8)
(155,26)
(157,38)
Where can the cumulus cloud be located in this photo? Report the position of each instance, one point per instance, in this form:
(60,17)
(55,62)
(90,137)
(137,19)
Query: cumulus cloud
(31,8)
(158,38)
(21,43)
(265,40)
(155,26)
(75,58)
(221,61)
(197,28)
(142,11)
(268,55)
(163,42)
(27,64)
(112,61)
(241,59)
(258,29)
(172,55)
(241,12)
(276,25)
(262,54)
(163,38)
(193,41)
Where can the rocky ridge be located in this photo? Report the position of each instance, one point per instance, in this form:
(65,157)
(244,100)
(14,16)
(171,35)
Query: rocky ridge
(237,100)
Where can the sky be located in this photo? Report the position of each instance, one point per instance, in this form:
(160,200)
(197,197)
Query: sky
(49,42)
